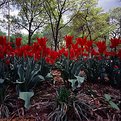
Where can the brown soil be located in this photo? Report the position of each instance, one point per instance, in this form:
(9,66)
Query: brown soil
(42,103)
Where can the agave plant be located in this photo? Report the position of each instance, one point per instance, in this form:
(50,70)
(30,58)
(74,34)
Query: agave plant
(71,71)
(29,76)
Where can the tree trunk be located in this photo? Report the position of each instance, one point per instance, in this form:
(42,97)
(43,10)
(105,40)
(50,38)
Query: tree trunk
(8,22)
(29,38)
(55,44)
(30,34)
(57,31)
(120,27)
(56,37)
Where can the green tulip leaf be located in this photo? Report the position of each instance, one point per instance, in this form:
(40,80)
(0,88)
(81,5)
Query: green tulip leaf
(21,73)
(73,81)
(107,97)
(38,78)
(49,75)
(113,105)
(19,82)
(26,96)
(1,81)
(80,80)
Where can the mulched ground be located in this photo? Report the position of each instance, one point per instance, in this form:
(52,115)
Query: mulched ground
(93,94)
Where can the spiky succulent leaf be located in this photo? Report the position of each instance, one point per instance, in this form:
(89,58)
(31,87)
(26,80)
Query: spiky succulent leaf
(35,72)
(38,78)
(1,81)
(26,96)
(114,105)
(73,83)
(21,73)
(49,76)
(107,97)
(80,80)
(111,103)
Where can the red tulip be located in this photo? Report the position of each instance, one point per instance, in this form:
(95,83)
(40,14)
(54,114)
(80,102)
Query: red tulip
(3,40)
(65,53)
(101,46)
(18,42)
(42,41)
(35,46)
(85,54)
(68,40)
(54,55)
(81,41)
(114,42)
(72,54)
(94,52)
(109,53)
(1,56)
(37,56)
(7,62)
(88,45)
(60,52)
(75,46)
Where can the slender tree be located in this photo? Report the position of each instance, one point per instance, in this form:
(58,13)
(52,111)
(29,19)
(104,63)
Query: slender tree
(56,10)
(8,5)
(31,16)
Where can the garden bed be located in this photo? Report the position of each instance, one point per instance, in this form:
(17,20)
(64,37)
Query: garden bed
(91,93)
(80,82)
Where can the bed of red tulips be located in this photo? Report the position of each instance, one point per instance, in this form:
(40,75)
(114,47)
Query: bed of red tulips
(74,48)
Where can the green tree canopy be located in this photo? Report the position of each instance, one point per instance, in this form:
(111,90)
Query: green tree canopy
(115,19)
(92,22)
